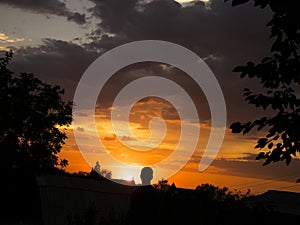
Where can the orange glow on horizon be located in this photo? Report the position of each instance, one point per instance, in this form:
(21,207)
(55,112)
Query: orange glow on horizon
(234,148)
(139,119)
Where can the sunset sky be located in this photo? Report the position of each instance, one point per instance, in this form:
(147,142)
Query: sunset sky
(57,40)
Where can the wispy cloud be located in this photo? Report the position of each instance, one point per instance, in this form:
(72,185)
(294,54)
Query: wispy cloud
(3,48)
(54,7)
(6,39)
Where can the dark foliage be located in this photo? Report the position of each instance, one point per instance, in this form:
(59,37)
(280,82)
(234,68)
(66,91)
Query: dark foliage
(20,198)
(30,116)
(207,204)
(279,76)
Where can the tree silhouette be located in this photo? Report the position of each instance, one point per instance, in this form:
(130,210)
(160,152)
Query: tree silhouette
(162,185)
(279,77)
(100,173)
(31,115)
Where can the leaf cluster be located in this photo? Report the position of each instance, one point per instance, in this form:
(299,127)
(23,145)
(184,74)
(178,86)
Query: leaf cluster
(279,76)
(32,114)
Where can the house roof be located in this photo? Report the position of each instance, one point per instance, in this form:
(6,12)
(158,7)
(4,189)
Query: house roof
(282,201)
(126,182)
(82,183)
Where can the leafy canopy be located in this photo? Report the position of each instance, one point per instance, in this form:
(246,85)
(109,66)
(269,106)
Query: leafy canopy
(279,76)
(31,115)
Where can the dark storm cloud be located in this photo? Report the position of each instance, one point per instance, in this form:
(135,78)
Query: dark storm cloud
(226,36)
(54,61)
(77,18)
(113,13)
(222,35)
(54,7)
(219,29)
